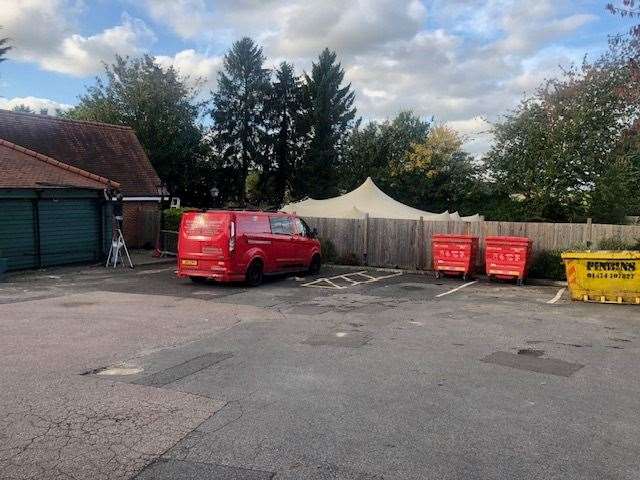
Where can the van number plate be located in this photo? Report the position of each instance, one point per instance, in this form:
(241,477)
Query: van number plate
(190,263)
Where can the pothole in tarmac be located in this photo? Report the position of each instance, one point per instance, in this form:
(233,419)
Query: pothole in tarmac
(532,352)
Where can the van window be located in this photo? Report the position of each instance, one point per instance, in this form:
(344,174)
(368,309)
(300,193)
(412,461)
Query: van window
(253,224)
(203,226)
(302,227)
(281,225)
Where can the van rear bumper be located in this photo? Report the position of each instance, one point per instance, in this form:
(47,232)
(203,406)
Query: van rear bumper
(217,276)
(209,269)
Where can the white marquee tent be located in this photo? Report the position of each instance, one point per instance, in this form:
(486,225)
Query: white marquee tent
(367,199)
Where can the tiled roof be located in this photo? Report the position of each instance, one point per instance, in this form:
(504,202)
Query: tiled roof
(109,151)
(24,168)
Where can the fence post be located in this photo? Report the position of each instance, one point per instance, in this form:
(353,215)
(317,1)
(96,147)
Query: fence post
(421,245)
(365,233)
(589,232)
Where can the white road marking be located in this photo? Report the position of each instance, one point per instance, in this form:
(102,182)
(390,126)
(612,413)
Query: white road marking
(360,274)
(333,285)
(347,279)
(157,270)
(456,289)
(558,295)
(326,282)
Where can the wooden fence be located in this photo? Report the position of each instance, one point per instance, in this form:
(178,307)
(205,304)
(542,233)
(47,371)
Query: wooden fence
(407,243)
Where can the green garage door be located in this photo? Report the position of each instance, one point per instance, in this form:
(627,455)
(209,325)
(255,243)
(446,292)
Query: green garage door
(69,230)
(17,233)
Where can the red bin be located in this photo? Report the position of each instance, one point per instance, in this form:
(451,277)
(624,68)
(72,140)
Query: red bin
(454,254)
(507,257)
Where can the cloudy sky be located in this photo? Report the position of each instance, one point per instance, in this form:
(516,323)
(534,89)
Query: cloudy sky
(462,61)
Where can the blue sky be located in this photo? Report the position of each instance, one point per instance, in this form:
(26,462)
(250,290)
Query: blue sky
(463,61)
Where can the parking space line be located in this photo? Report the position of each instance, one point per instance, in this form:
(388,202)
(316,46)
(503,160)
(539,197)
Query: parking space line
(376,279)
(558,295)
(456,289)
(347,277)
(363,275)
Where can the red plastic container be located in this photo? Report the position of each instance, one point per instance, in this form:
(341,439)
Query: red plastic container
(454,254)
(507,257)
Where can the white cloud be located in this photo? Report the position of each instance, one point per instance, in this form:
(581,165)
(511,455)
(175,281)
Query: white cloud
(41,31)
(349,27)
(392,57)
(188,18)
(293,28)
(36,104)
(194,65)
(476,133)
(81,56)
(457,60)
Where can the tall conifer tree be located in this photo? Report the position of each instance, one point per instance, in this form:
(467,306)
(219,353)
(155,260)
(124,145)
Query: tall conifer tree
(330,115)
(239,133)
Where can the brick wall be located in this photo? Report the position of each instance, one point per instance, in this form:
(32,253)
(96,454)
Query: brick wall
(141,223)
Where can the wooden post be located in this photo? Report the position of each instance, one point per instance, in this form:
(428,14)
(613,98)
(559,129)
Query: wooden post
(365,233)
(589,232)
(421,244)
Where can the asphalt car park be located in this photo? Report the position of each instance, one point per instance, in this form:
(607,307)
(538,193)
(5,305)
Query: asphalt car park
(356,373)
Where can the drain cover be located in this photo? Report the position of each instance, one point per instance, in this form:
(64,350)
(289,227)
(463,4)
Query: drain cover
(533,363)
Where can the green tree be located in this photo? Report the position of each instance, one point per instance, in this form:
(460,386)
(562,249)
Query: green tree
(627,9)
(4,48)
(288,134)
(438,175)
(554,152)
(330,115)
(239,135)
(22,108)
(161,109)
(376,150)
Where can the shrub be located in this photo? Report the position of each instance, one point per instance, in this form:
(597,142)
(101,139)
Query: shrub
(172,217)
(329,252)
(616,243)
(548,264)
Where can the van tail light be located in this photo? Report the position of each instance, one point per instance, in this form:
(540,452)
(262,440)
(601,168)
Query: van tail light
(232,237)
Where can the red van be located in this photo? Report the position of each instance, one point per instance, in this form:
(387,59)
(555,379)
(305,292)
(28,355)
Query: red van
(243,246)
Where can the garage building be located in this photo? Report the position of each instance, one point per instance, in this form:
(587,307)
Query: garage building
(109,151)
(50,213)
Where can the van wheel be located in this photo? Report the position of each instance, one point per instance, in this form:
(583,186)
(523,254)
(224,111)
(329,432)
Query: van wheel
(195,279)
(314,266)
(254,274)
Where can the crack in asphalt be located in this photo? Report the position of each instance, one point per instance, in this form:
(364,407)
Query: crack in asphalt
(73,441)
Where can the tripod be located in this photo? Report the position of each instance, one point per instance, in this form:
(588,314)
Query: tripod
(115,252)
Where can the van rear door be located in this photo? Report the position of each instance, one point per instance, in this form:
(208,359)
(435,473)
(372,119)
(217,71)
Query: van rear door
(205,235)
